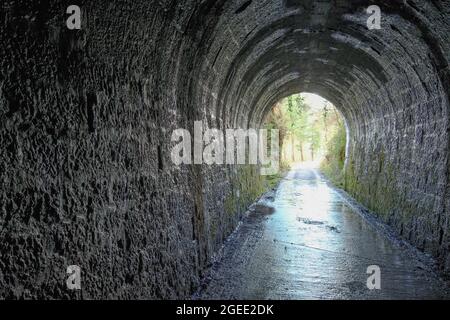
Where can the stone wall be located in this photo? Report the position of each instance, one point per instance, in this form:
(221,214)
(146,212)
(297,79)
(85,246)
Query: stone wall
(86,118)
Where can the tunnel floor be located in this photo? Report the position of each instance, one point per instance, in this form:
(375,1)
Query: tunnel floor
(315,246)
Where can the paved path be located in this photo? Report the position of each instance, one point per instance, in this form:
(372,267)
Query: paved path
(314,246)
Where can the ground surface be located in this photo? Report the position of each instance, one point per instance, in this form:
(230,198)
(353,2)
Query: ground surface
(314,246)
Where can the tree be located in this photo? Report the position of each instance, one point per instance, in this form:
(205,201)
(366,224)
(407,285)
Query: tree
(309,131)
(297,113)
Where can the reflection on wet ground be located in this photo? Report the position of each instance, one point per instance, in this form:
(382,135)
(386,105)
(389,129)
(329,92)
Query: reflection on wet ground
(314,246)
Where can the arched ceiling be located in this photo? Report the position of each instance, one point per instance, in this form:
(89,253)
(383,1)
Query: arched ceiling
(261,51)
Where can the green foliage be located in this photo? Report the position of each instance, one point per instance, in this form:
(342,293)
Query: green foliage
(272,181)
(306,130)
(333,164)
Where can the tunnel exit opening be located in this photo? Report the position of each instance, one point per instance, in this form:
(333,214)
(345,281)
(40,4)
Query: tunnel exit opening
(312,132)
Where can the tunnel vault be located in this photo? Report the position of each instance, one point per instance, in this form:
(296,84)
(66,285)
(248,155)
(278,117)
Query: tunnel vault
(86,173)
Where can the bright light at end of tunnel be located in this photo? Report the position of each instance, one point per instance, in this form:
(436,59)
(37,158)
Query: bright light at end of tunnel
(315,101)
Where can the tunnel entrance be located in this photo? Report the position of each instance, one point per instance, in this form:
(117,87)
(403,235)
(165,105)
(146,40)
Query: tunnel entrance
(312,131)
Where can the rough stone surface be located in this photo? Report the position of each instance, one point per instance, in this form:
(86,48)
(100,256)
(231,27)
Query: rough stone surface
(86,118)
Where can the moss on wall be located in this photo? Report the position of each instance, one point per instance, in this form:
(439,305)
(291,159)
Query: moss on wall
(248,185)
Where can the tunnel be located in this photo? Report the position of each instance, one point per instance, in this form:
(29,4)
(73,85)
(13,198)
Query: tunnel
(87,117)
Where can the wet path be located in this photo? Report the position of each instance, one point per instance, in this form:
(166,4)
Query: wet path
(314,246)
